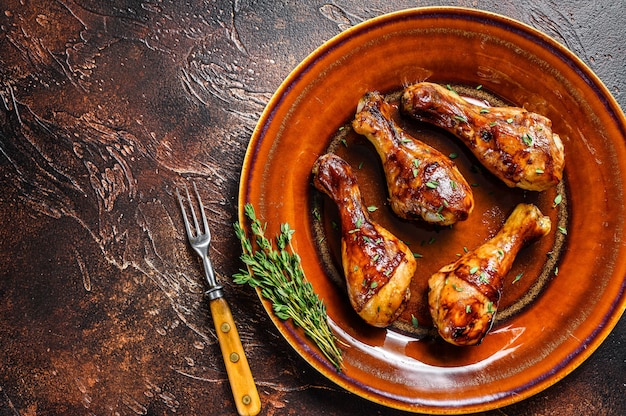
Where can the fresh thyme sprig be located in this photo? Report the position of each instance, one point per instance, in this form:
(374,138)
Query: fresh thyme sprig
(278,273)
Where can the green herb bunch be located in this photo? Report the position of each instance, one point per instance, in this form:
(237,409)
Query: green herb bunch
(278,273)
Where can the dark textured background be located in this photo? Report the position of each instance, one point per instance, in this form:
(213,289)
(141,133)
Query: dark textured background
(106,106)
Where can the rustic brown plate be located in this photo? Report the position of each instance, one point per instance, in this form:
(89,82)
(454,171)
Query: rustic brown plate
(565,293)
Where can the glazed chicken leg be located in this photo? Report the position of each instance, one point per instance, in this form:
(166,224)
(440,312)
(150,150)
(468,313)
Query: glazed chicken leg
(422,182)
(463,296)
(515,145)
(377,266)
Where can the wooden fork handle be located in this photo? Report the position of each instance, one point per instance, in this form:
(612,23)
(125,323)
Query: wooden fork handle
(241,382)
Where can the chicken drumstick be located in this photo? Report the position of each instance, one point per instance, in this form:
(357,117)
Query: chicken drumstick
(463,296)
(514,144)
(422,182)
(378,267)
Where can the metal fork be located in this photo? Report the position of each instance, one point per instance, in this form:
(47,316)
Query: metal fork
(242,384)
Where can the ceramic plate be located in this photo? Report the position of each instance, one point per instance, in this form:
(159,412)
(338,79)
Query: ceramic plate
(565,292)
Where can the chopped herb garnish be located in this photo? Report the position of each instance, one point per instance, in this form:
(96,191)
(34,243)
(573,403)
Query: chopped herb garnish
(417,255)
(316,214)
(473,269)
(468,309)
(414,321)
(432,184)
(558,199)
(490,307)
(518,277)
(539,171)
(509,120)
(484,110)
(360,165)
(527,139)
(416,163)
(372,208)
(562,230)
(462,119)
(455,287)
(453,155)
(479,86)
(374,284)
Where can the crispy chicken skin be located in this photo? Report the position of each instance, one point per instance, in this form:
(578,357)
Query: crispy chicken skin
(422,182)
(463,296)
(378,267)
(514,144)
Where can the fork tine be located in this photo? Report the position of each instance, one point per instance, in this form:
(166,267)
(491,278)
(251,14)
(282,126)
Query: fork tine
(205,223)
(182,208)
(193,212)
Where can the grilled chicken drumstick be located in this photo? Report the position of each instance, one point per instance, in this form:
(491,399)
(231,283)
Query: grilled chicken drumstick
(516,145)
(378,267)
(422,182)
(463,296)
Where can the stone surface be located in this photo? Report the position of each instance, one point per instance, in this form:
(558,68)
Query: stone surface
(106,108)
